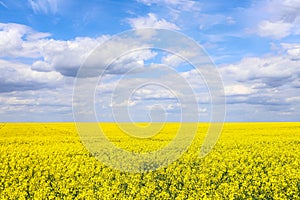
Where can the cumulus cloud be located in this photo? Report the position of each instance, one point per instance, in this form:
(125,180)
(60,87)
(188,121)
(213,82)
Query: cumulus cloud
(44,104)
(41,66)
(277,30)
(151,21)
(264,88)
(132,61)
(18,40)
(292,50)
(276,19)
(19,77)
(238,89)
(270,80)
(66,56)
(172,91)
(44,64)
(176,60)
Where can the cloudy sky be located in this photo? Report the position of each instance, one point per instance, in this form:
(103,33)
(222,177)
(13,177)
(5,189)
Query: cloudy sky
(254,45)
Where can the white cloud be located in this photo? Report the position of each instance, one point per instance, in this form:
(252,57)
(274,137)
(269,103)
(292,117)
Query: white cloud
(275,18)
(64,56)
(265,80)
(52,62)
(269,83)
(35,36)
(295,99)
(41,66)
(132,61)
(237,89)
(10,38)
(18,40)
(293,50)
(275,30)
(123,104)
(151,21)
(175,60)
(272,71)
(139,93)
(18,76)
(67,56)
(153,92)
(45,104)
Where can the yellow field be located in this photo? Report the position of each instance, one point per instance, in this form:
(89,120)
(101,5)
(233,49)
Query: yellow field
(250,161)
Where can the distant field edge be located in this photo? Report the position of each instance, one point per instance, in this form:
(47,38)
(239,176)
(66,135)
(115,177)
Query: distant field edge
(231,122)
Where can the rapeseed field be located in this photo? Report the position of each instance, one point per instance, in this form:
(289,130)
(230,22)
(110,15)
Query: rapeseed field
(249,161)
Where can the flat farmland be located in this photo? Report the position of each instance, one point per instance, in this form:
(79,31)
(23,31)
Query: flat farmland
(249,161)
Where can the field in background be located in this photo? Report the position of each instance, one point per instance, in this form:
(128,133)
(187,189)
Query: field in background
(250,161)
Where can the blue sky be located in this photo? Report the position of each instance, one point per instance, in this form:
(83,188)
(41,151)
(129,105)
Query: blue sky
(255,46)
